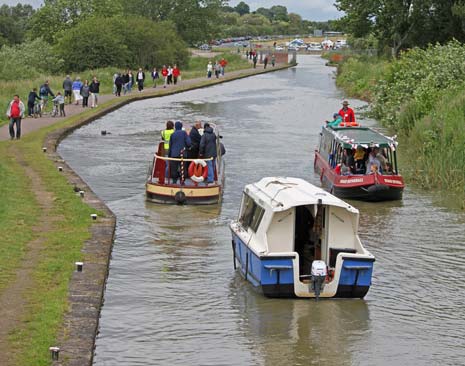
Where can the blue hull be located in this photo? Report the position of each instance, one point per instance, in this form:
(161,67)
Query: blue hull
(274,276)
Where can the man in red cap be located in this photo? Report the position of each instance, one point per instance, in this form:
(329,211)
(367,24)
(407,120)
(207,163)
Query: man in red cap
(347,113)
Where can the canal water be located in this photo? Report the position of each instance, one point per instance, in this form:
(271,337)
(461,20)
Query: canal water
(173,297)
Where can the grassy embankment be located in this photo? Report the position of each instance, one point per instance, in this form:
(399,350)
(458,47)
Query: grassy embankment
(62,243)
(197,68)
(421,97)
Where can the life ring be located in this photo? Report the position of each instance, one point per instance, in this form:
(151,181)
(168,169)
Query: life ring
(198,170)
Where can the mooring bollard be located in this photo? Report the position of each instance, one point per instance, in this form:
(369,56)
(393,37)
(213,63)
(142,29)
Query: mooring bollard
(60,168)
(54,351)
(81,193)
(44,149)
(94,216)
(79,266)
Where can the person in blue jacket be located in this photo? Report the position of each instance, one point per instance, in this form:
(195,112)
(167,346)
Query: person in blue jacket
(337,119)
(180,142)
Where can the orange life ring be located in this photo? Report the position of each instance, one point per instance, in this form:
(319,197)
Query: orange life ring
(198,170)
(354,124)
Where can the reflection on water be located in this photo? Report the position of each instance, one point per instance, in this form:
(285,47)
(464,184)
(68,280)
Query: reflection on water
(172,296)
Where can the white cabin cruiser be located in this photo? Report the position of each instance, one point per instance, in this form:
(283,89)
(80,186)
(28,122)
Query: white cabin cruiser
(293,239)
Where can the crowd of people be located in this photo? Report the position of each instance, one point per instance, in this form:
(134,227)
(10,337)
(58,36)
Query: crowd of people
(199,142)
(217,68)
(371,160)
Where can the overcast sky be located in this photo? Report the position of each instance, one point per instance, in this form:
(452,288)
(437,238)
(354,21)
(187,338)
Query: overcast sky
(307,9)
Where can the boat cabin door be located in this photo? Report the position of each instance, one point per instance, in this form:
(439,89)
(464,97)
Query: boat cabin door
(309,236)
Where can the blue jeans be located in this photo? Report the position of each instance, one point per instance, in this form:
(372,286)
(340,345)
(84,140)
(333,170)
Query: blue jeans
(211,172)
(14,121)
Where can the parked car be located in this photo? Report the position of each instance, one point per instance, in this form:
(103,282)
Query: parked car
(205,47)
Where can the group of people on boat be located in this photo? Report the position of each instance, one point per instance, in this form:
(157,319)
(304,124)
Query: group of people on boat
(344,118)
(371,160)
(198,143)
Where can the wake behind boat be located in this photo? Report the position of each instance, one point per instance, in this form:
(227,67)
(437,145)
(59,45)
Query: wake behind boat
(182,180)
(358,163)
(293,239)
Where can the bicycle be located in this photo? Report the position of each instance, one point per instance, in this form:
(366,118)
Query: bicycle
(55,109)
(38,108)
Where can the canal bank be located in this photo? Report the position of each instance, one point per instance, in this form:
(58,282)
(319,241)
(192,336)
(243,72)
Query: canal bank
(54,263)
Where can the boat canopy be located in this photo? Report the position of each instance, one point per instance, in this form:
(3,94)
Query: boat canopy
(283,193)
(350,137)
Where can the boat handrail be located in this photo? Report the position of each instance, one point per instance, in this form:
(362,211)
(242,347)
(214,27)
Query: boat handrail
(180,159)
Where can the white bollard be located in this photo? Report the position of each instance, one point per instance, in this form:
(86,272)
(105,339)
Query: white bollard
(94,216)
(60,168)
(55,352)
(79,266)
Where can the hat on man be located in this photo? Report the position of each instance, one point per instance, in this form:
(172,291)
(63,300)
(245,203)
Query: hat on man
(345,102)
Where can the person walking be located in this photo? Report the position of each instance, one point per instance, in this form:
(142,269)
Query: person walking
(85,92)
(118,84)
(60,101)
(217,67)
(94,89)
(164,73)
(176,74)
(223,64)
(31,100)
(273,60)
(207,150)
(209,69)
(68,88)
(254,60)
(140,78)
(77,85)
(14,113)
(125,78)
(170,75)
(265,61)
(155,76)
(44,92)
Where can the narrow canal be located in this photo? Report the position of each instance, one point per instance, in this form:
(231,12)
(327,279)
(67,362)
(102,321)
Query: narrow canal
(172,296)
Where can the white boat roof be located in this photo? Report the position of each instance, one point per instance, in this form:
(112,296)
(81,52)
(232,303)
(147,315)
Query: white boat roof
(282,193)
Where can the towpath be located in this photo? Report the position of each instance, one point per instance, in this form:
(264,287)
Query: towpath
(29,125)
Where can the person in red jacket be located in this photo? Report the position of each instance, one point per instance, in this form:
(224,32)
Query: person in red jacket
(164,73)
(347,114)
(223,64)
(15,112)
(176,74)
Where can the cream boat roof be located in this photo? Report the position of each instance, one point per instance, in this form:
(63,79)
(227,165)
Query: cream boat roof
(282,193)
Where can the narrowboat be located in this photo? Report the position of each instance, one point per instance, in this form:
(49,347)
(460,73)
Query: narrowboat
(293,239)
(191,187)
(357,179)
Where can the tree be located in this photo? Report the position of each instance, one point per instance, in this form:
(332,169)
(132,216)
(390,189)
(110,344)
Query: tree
(143,43)
(13,23)
(400,24)
(279,13)
(265,12)
(242,8)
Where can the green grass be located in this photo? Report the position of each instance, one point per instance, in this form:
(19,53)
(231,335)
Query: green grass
(18,214)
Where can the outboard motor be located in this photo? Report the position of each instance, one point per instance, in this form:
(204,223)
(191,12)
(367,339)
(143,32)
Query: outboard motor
(318,277)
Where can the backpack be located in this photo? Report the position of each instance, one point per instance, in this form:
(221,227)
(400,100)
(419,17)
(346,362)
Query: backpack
(43,90)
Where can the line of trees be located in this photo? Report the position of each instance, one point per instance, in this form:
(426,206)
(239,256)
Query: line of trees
(401,24)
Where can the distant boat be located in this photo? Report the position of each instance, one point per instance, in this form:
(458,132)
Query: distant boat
(360,183)
(293,239)
(191,189)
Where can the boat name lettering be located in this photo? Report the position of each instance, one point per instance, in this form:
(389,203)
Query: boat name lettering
(353,180)
(392,181)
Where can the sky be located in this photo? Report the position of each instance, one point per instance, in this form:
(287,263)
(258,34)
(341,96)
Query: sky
(307,9)
(318,10)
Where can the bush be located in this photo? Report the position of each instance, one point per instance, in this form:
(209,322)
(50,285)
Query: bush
(28,60)
(121,42)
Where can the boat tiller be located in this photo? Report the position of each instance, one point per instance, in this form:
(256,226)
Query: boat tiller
(318,277)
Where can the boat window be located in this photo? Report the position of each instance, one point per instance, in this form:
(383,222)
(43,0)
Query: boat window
(252,214)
